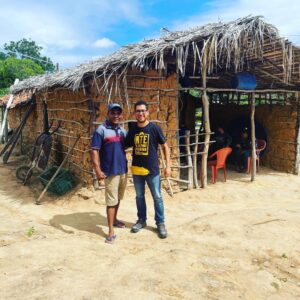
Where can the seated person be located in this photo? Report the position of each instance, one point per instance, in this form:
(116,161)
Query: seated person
(242,150)
(222,140)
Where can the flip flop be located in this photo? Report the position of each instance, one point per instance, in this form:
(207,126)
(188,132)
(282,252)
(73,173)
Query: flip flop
(110,239)
(119,224)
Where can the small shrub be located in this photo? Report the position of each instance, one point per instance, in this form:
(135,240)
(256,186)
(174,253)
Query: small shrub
(30,231)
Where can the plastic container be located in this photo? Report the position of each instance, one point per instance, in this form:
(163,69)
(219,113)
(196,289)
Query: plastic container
(244,81)
(63,182)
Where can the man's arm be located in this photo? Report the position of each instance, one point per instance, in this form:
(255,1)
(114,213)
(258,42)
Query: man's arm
(96,164)
(166,151)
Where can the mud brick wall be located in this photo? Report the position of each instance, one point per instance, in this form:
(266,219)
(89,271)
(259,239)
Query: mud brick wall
(29,132)
(74,111)
(281,125)
(160,92)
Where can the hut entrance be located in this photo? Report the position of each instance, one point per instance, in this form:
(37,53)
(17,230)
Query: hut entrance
(239,123)
(190,111)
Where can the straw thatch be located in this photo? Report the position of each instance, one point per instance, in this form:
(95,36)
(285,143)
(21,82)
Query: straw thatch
(224,45)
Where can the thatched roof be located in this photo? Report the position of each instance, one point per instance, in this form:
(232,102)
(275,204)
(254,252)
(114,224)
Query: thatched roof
(229,45)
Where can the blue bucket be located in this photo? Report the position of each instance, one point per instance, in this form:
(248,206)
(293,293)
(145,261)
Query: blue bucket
(244,81)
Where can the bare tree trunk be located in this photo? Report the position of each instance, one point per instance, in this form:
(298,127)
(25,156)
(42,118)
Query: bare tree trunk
(253,150)
(205,104)
(195,169)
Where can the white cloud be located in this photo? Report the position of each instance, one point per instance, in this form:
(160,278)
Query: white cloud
(284,14)
(70,59)
(65,26)
(104,43)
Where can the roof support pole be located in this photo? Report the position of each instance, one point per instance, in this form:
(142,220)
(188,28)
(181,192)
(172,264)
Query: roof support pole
(4,125)
(253,148)
(297,163)
(205,104)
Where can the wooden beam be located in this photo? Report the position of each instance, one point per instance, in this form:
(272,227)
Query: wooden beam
(212,89)
(274,76)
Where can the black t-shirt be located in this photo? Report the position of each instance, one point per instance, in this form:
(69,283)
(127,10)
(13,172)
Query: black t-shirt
(144,141)
(222,140)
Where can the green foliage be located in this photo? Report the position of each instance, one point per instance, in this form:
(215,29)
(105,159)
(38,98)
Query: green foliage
(22,60)
(275,285)
(2,56)
(195,93)
(4,92)
(12,68)
(30,231)
(29,49)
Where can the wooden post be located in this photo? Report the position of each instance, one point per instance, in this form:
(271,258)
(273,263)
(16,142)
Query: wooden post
(297,162)
(189,159)
(253,150)
(195,169)
(5,132)
(205,112)
(93,117)
(164,166)
(4,119)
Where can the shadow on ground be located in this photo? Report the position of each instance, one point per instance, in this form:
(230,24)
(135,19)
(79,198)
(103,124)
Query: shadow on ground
(84,221)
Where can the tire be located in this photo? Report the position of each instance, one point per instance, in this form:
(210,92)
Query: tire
(24,172)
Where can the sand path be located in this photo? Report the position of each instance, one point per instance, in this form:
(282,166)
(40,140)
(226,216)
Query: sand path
(234,240)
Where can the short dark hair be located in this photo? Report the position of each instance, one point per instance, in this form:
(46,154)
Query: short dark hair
(141,102)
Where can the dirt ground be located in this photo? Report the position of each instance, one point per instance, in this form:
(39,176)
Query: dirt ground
(234,240)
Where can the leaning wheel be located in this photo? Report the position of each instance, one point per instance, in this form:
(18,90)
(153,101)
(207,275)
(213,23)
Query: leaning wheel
(24,172)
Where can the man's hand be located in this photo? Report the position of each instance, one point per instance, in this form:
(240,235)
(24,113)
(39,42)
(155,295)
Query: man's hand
(167,172)
(100,175)
(96,164)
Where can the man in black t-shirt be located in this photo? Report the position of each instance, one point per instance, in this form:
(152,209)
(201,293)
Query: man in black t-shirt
(242,151)
(145,138)
(222,140)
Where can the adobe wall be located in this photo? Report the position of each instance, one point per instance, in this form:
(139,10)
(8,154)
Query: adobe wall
(29,132)
(160,92)
(74,111)
(281,125)
(71,110)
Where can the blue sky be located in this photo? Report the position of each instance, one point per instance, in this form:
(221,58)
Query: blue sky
(72,32)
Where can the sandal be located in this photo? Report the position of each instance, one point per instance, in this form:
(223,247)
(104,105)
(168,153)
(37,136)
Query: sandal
(110,239)
(119,224)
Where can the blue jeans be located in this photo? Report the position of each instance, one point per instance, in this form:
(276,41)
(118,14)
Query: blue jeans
(153,182)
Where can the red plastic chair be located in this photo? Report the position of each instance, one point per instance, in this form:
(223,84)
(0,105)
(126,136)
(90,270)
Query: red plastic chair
(260,146)
(219,163)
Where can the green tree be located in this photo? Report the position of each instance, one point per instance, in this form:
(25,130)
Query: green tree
(2,56)
(12,68)
(29,49)
(4,91)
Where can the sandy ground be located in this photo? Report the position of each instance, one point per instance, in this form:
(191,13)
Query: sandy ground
(234,240)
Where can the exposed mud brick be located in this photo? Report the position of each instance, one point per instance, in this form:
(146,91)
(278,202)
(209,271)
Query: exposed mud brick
(162,115)
(153,108)
(162,84)
(152,84)
(153,73)
(153,116)
(136,82)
